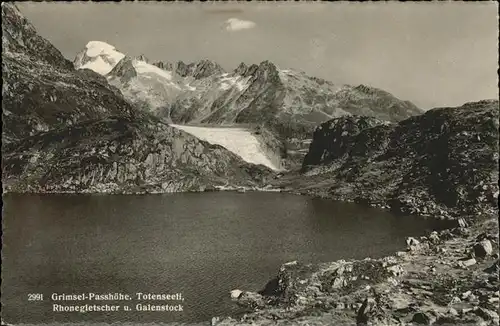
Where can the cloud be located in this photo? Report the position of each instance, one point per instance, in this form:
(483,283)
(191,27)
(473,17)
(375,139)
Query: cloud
(235,24)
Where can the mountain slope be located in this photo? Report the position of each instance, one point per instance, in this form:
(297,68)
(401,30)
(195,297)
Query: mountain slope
(19,37)
(120,155)
(69,131)
(41,90)
(444,162)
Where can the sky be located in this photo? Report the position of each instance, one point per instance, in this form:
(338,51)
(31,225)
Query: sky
(434,54)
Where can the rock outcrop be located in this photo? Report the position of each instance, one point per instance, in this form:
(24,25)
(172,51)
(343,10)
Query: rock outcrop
(19,37)
(118,155)
(442,163)
(124,70)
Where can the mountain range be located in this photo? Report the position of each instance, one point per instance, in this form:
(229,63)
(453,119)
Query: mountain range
(202,92)
(286,104)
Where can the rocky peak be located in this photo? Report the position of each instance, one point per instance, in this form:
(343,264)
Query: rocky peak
(142,57)
(98,56)
(250,71)
(124,70)
(164,65)
(240,70)
(183,69)
(206,68)
(198,70)
(365,89)
(267,65)
(332,138)
(265,70)
(19,36)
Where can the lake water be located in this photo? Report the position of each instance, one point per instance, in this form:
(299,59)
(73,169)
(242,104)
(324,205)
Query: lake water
(199,244)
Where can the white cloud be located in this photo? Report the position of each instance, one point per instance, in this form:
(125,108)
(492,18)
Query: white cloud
(235,24)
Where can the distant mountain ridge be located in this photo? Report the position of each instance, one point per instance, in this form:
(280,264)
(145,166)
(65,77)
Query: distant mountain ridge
(286,105)
(202,92)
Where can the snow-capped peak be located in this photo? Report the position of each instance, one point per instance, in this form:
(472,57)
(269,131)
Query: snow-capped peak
(95,48)
(98,56)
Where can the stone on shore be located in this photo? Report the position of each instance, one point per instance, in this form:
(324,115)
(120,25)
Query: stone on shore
(483,248)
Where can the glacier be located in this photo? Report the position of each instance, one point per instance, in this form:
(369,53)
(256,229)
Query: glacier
(237,140)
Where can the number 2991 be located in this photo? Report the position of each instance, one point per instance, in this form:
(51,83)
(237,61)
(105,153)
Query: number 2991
(35,297)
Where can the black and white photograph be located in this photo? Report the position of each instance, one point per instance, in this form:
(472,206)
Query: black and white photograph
(250,163)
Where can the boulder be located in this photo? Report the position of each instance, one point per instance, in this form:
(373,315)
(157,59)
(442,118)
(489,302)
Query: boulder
(339,282)
(235,294)
(467,262)
(396,270)
(423,318)
(487,314)
(339,306)
(462,223)
(410,241)
(412,244)
(252,300)
(364,311)
(494,268)
(483,248)
(434,237)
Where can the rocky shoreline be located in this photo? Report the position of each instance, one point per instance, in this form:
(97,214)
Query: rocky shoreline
(449,277)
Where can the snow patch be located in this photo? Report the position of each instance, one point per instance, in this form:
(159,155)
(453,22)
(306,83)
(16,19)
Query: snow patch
(242,84)
(95,48)
(237,140)
(225,86)
(228,82)
(146,68)
(156,76)
(98,65)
